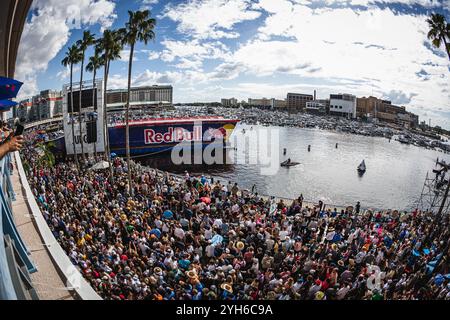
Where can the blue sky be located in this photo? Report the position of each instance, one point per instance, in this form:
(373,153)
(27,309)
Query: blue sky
(211,49)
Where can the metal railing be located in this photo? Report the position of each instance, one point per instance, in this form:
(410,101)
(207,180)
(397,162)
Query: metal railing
(15,262)
(68,271)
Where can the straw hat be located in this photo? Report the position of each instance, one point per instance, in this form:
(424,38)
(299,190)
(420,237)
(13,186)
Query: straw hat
(157,270)
(191,274)
(340,263)
(240,245)
(227,287)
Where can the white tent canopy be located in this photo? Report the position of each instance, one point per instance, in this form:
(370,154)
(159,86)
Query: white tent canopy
(100,165)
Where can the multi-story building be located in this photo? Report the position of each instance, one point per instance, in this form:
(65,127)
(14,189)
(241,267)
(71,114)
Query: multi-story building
(368,107)
(264,102)
(279,104)
(141,96)
(229,102)
(271,103)
(46,105)
(297,101)
(21,110)
(343,105)
(384,110)
(49,103)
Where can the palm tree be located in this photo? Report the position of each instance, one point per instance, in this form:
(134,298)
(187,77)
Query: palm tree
(71,58)
(439,32)
(138,28)
(87,40)
(110,46)
(95,63)
(46,156)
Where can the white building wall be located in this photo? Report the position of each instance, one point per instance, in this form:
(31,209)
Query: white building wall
(343,106)
(88,148)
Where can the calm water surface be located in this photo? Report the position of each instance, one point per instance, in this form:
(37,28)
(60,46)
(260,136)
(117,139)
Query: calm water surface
(394,177)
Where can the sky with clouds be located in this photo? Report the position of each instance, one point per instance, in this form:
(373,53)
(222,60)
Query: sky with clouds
(211,49)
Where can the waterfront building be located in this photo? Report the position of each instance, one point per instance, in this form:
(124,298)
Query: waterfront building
(383,110)
(271,103)
(263,103)
(148,96)
(343,105)
(319,106)
(297,101)
(229,102)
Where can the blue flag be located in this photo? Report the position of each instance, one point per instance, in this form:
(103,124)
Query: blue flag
(5,105)
(9,88)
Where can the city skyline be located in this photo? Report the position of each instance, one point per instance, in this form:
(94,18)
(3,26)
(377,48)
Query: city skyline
(257,49)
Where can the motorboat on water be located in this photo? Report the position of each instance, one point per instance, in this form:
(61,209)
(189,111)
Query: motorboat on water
(404,139)
(362,167)
(289,163)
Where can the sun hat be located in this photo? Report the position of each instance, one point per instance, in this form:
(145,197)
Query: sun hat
(227,287)
(240,245)
(157,270)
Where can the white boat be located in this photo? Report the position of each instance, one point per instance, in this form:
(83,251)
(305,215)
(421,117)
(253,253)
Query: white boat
(404,139)
(362,167)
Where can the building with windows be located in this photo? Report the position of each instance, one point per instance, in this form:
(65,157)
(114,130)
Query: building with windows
(46,105)
(320,106)
(384,110)
(297,101)
(263,103)
(343,105)
(229,102)
(147,96)
(271,103)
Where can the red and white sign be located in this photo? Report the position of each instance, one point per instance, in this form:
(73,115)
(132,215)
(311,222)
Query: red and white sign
(172,135)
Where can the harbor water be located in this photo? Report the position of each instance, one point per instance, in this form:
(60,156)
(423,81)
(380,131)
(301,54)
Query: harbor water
(393,180)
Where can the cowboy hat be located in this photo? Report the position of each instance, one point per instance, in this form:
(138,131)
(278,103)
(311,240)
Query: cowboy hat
(227,287)
(240,245)
(157,270)
(191,274)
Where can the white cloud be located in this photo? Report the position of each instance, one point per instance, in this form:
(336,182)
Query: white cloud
(125,55)
(49,30)
(64,74)
(153,55)
(362,52)
(148,4)
(215,19)
(190,54)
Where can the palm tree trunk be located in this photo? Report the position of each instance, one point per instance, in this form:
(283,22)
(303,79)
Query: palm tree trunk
(447,48)
(71,116)
(79,110)
(104,106)
(105,115)
(95,111)
(127,120)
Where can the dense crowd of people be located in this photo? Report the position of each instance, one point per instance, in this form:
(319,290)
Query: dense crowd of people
(194,238)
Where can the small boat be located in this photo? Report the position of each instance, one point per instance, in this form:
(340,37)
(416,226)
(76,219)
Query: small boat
(404,140)
(288,163)
(362,167)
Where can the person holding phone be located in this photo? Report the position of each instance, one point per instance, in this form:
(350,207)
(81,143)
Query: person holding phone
(13,141)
